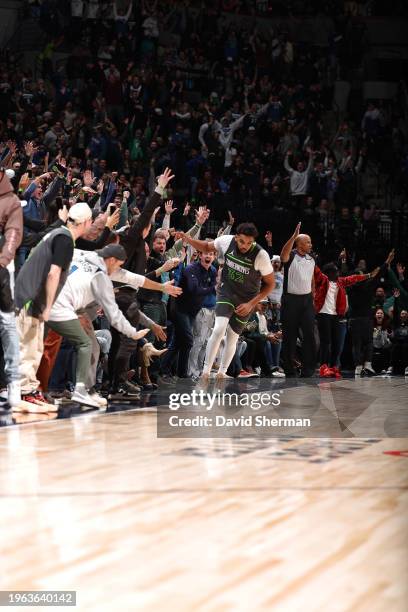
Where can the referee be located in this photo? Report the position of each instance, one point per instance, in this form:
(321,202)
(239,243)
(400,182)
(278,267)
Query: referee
(297,304)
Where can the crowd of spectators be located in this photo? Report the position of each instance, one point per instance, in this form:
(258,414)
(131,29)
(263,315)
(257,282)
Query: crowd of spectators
(242,116)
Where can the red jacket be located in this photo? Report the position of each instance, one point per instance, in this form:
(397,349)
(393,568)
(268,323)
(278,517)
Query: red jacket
(322,285)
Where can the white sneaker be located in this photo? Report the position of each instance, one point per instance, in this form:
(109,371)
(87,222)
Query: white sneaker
(368,369)
(102,401)
(82,396)
(406,371)
(390,371)
(278,374)
(14,393)
(358,370)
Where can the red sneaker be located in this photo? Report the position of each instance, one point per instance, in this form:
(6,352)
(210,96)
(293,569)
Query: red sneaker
(35,397)
(323,369)
(245,374)
(337,373)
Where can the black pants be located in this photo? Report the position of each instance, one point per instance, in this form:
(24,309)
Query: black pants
(362,339)
(381,359)
(180,346)
(399,357)
(255,355)
(157,312)
(122,346)
(297,313)
(330,338)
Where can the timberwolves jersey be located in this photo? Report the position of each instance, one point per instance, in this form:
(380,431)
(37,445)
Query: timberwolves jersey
(239,278)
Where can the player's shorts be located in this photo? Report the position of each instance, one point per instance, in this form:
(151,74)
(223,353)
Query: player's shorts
(225,307)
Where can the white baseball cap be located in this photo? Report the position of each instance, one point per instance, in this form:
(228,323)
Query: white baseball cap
(80,212)
(275,258)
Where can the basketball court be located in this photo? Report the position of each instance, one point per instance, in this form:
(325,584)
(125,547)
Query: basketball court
(133,516)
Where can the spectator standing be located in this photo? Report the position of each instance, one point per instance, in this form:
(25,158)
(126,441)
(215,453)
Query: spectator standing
(38,284)
(197,282)
(11,232)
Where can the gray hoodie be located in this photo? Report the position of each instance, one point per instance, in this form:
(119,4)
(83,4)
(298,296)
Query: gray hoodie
(88,287)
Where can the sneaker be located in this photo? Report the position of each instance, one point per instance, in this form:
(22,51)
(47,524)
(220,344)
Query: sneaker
(358,370)
(49,398)
(35,397)
(14,393)
(406,371)
(278,374)
(390,371)
(149,387)
(368,372)
(34,402)
(102,401)
(323,370)
(245,374)
(81,396)
(337,373)
(129,390)
(168,379)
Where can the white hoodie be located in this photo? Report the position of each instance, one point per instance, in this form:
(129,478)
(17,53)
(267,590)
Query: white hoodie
(89,285)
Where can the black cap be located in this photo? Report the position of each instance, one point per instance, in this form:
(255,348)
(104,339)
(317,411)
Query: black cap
(113,250)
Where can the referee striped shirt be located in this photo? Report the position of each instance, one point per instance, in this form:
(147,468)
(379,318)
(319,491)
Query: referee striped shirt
(298,274)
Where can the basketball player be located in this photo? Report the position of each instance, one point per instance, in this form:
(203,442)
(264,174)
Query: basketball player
(297,303)
(247,277)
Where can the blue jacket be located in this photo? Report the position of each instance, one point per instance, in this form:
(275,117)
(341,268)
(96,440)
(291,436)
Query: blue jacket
(35,209)
(197,284)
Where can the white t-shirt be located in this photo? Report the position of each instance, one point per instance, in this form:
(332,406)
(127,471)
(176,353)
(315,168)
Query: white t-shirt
(262,261)
(329,306)
(275,296)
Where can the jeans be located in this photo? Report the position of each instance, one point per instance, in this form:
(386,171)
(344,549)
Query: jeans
(272,351)
(10,342)
(202,328)
(180,345)
(104,338)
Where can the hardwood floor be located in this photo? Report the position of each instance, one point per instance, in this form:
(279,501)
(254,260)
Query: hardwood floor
(99,504)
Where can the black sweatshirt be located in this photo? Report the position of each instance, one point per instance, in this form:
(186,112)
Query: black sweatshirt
(133,241)
(360,296)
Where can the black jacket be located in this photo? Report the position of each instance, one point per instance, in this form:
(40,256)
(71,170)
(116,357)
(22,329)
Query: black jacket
(133,241)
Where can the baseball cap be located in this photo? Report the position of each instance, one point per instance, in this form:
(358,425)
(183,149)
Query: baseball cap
(112,250)
(80,212)
(275,258)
